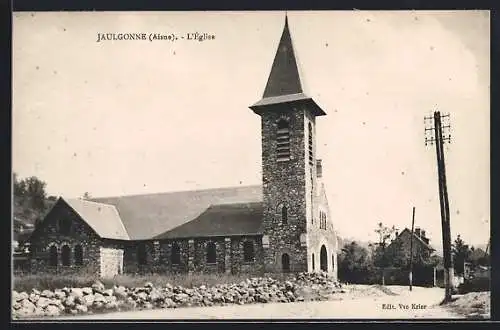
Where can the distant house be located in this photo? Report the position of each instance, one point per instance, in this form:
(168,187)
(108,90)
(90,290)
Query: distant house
(421,247)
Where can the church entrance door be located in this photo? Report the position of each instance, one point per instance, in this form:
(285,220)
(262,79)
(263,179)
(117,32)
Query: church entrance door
(323,259)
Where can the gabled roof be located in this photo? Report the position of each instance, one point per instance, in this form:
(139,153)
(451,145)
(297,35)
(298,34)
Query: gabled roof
(102,218)
(284,84)
(222,220)
(416,236)
(147,216)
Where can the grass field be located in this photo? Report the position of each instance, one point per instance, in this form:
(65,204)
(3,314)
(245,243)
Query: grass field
(51,282)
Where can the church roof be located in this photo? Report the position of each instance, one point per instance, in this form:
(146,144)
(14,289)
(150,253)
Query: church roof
(102,218)
(222,220)
(147,216)
(284,84)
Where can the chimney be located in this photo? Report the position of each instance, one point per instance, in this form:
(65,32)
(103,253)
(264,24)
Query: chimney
(417,231)
(319,168)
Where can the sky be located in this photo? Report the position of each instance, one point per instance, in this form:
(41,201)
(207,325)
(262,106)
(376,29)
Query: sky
(134,117)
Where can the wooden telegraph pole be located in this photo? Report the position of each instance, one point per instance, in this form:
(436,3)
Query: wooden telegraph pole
(411,248)
(443,197)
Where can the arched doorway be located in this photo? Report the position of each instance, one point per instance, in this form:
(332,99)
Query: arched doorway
(285,263)
(323,259)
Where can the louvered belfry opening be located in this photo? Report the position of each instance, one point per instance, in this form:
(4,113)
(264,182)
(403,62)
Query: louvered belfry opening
(283,141)
(310,145)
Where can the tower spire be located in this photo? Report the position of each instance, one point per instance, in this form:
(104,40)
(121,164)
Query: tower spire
(284,85)
(284,78)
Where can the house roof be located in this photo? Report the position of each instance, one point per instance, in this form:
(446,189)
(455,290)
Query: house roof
(222,220)
(147,216)
(416,236)
(102,218)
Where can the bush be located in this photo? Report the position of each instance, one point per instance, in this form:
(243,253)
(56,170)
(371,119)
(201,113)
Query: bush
(474,285)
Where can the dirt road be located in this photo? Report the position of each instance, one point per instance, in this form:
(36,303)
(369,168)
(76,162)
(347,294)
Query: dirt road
(400,304)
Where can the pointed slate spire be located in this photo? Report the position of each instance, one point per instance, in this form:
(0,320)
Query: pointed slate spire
(283,85)
(284,78)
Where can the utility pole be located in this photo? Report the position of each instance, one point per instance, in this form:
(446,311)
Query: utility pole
(487,247)
(438,139)
(411,248)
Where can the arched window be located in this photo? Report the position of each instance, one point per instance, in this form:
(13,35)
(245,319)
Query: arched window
(248,251)
(211,253)
(283,141)
(310,140)
(313,261)
(142,254)
(284,215)
(78,255)
(65,255)
(64,226)
(53,256)
(175,256)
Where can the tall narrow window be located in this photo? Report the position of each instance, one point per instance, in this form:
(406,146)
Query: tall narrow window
(284,215)
(175,256)
(283,141)
(53,256)
(313,261)
(248,251)
(142,254)
(65,255)
(310,140)
(78,255)
(211,253)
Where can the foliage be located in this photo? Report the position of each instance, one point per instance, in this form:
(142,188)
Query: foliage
(460,253)
(31,202)
(355,264)
(381,257)
(478,257)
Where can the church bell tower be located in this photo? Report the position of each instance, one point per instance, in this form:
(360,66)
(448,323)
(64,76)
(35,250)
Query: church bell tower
(288,124)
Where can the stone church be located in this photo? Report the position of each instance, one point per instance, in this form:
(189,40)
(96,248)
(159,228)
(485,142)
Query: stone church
(283,225)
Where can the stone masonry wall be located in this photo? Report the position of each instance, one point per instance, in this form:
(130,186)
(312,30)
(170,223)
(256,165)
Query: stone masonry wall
(193,256)
(111,259)
(48,234)
(284,183)
(316,235)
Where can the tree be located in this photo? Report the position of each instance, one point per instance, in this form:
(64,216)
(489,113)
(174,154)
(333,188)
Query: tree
(395,255)
(381,258)
(86,195)
(354,263)
(19,187)
(460,253)
(30,199)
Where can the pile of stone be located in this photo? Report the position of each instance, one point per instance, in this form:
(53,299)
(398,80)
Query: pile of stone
(99,299)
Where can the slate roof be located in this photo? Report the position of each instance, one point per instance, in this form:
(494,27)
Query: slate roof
(102,218)
(284,78)
(419,239)
(284,84)
(147,216)
(222,220)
